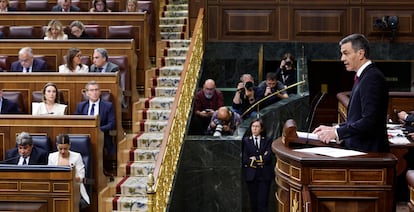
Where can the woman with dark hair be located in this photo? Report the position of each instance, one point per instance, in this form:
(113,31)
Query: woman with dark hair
(257,164)
(100,6)
(73,62)
(50,104)
(65,157)
(77,30)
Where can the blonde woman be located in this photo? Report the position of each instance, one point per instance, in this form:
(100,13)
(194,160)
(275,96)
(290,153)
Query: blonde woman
(74,62)
(50,104)
(54,31)
(132,6)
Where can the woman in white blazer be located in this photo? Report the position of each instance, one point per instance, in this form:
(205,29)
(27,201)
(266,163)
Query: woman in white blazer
(50,104)
(65,157)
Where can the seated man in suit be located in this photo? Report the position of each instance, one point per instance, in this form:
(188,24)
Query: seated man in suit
(96,106)
(7,106)
(65,6)
(26,152)
(27,63)
(101,63)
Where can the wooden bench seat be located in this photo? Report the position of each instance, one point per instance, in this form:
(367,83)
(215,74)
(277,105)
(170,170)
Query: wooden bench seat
(138,20)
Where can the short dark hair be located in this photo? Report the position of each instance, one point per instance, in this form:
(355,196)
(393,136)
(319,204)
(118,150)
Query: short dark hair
(358,41)
(271,76)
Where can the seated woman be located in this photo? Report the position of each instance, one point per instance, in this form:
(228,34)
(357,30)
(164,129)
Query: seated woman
(54,31)
(66,157)
(50,104)
(77,30)
(74,63)
(5,6)
(132,6)
(99,6)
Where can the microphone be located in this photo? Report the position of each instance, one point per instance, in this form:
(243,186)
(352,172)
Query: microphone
(312,115)
(9,159)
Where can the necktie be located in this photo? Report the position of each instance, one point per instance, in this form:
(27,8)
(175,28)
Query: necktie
(256,142)
(27,70)
(24,161)
(355,79)
(92,112)
(100,69)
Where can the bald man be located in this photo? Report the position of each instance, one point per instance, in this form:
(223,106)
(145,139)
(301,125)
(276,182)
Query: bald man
(207,100)
(224,122)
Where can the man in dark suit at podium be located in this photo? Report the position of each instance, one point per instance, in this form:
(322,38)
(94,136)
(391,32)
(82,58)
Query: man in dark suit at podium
(26,153)
(365,128)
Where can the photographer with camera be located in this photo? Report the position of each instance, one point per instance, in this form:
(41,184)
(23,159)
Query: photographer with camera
(207,100)
(286,72)
(271,85)
(245,96)
(223,122)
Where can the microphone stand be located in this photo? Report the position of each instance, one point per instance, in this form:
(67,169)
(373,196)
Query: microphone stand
(268,96)
(312,115)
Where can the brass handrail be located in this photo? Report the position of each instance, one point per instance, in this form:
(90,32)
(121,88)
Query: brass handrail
(160,183)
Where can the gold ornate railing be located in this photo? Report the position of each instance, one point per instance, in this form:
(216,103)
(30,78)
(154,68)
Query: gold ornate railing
(160,183)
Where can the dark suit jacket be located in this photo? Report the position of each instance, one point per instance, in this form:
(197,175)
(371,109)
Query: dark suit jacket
(58,8)
(252,170)
(365,128)
(9,107)
(37,157)
(111,67)
(37,66)
(106,114)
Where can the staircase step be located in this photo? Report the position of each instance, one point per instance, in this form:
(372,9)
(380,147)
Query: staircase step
(175,51)
(175,28)
(175,13)
(153,126)
(163,91)
(173,21)
(148,140)
(143,154)
(128,204)
(176,7)
(166,81)
(132,186)
(172,35)
(178,43)
(173,61)
(155,114)
(172,71)
(138,168)
(176,2)
(160,102)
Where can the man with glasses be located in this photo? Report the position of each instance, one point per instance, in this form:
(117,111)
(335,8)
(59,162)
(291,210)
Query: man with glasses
(27,63)
(97,106)
(65,6)
(101,63)
(207,100)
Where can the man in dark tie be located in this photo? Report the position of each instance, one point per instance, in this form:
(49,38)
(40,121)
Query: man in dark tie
(26,152)
(27,62)
(65,6)
(365,128)
(101,63)
(96,106)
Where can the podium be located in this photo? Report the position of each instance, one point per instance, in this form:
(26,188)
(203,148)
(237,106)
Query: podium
(310,182)
(38,188)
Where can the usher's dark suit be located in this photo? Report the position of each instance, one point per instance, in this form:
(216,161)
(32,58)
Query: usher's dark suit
(365,128)
(37,157)
(258,177)
(110,67)
(9,107)
(107,120)
(37,66)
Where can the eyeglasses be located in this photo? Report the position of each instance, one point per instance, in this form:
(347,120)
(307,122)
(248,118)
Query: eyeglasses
(78,55)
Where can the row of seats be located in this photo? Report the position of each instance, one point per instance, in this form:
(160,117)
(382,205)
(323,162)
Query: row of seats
(43,5)
(95,31)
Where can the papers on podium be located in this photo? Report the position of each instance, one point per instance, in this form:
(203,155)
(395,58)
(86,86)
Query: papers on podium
(331,152)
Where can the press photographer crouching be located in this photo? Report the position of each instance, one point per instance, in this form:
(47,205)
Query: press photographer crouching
(223,122)
(286,72)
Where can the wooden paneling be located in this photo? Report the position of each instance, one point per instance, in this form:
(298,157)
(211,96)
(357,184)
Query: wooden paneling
(305,21)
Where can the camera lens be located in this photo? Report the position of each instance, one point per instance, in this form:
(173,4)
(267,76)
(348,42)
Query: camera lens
(248,85)
(288,63)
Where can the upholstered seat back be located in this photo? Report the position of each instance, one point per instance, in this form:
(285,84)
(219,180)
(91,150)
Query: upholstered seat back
(124,73)
(42,142)
(17,32)
(16,97)
(120,32)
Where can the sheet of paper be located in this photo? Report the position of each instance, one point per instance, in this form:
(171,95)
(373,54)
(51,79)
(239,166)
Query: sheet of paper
(396,136)
(310,136)
(331,152)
